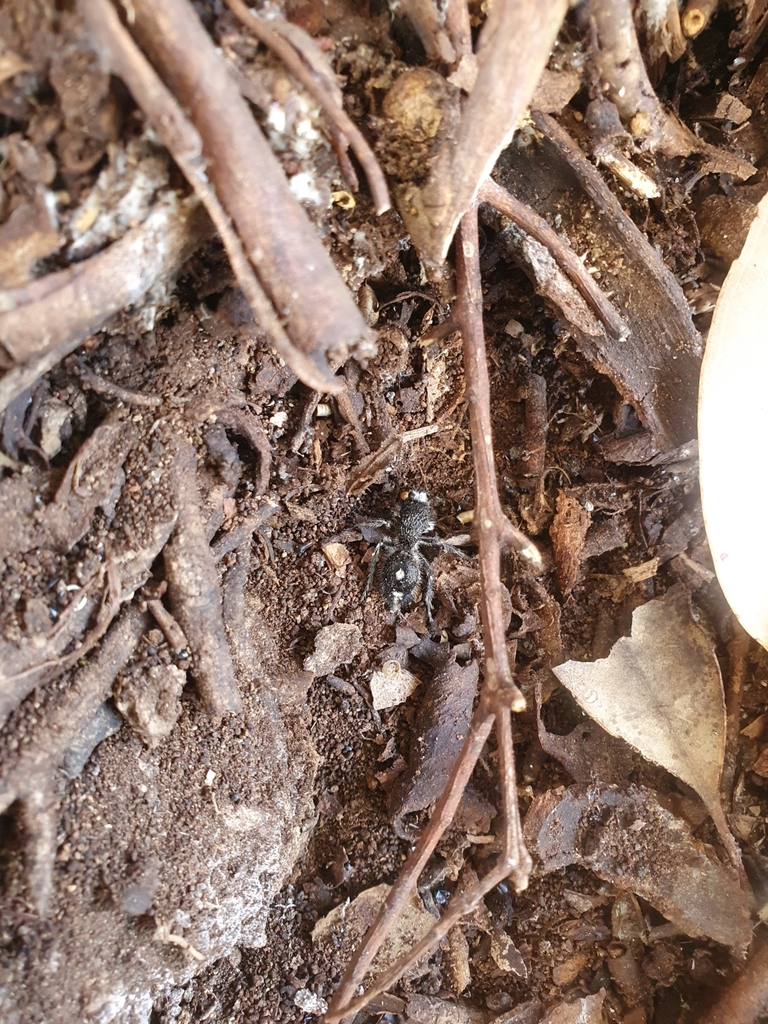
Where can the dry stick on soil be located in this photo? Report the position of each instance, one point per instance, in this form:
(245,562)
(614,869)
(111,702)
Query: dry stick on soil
(563,254)
(112,390)
(513,50)
(273,35)
(424,17)
(499,695)
(296,271)
(27,773)
(194,593)
(738,648)
(73,304)
(746,1000)
(185,146)
(623,76)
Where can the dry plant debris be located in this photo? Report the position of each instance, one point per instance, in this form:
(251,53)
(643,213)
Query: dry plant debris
(221,352)
(661,691)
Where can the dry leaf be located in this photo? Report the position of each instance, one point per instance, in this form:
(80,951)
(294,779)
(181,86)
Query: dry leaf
(733,406)
(587,1010)
(350,921)
(661,691)
(627,838)
(391,685)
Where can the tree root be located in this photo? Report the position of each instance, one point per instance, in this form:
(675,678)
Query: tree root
(44,322)
(27,772)
(194,593)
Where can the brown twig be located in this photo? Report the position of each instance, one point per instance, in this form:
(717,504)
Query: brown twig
(185,146)
(538,228)
(499,695)
(194,592)
(274,35)
(112,390)
(172,631)
(625,80)
(494,530)
(73,304)
(697,15)
(294,268)
(513,49)
(424,17)
(738,647)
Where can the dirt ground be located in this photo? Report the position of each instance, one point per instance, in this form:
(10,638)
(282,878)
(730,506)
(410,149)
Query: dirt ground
(170,839)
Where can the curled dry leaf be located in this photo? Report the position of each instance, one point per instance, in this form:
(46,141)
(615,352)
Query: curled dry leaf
(733,403)
(661,691)
(626,837)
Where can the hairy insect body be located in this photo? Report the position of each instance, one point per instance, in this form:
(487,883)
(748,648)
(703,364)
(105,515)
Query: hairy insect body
(405,569)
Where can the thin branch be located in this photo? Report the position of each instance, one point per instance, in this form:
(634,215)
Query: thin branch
(185,146)
(566,258)
(272,34)
(295,269)
(479,730)
(494,529)
(513,49)
(500,694)
(112,390)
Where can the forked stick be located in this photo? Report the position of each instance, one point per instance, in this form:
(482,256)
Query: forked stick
(500,694)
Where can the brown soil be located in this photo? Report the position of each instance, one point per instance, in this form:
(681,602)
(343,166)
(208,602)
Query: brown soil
(190,871)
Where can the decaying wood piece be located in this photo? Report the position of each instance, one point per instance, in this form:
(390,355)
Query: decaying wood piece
(297,273)
(513,49)
(194,592)
(656,367)
(624,77)
(534,225)
(317,77)
(44,322)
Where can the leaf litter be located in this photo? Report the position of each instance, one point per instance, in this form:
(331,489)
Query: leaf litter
(661,690)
